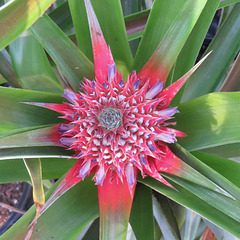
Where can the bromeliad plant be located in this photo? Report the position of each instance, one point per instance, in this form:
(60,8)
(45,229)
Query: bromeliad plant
(115,123)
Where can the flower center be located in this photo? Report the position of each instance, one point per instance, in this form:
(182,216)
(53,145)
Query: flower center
(110,118)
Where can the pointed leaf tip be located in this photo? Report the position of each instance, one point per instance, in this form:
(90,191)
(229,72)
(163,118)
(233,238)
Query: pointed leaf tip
(71,179)
(101,52)
(170,92)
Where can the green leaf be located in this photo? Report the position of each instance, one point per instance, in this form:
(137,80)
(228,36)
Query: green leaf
(34,168)
(110,17)
(75,209)
(15,115)
(211,175)
(44,136)
(135,23)
(225,3)
(62,17)
(73,63)
(157,26)
(218,208)
(6,69)
(93,231)
(225,47)
(31,65)
(226,151)
(34,152)
(191,225)
(80,22)
(142,221)
(231,82)
(226,167)
(177,18)
(191,48)
(18,15)
(213,198)
(185,197)
(165,218)
(209,121)
(15,170)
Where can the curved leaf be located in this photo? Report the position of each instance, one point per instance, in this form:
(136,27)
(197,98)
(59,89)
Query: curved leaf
(31,65)
(76,208)
(188,55)
(73,63)
(209,121)
(188,199)
(224,47)
(135,24)
(15,115)
(18,15)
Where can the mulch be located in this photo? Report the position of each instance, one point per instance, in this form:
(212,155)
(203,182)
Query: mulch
(10,194)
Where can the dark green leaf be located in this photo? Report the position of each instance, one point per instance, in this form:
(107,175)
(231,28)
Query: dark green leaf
(62,17)
(208,172)
(191,48)
(225,47)
(110,17)
(187,198)
(73,63)
(75,209)
(141,218)
(6,69)
(226,151)
(226,167)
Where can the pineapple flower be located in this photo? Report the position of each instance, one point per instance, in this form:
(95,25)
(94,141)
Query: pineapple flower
(116,128)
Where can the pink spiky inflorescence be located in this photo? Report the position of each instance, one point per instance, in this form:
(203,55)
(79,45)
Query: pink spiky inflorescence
(118,126)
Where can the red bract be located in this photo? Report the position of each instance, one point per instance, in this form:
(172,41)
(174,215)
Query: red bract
(116,128)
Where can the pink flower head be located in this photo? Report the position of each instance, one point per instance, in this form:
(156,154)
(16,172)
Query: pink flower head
(115,127)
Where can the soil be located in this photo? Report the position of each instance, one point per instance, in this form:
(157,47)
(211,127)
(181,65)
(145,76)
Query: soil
(10,194)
